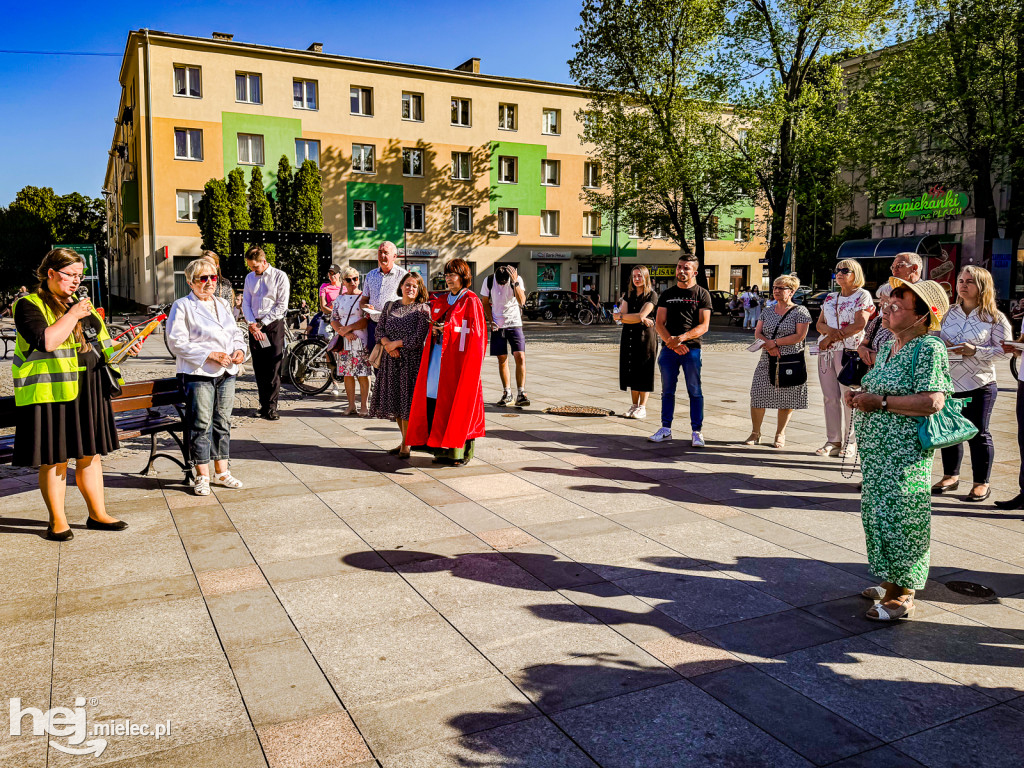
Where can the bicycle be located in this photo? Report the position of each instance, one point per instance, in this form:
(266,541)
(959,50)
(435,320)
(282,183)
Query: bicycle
(311,366)
(575,313)
(123,333)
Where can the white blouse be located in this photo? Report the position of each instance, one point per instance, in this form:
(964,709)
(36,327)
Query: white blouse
(840,311)
(973,372)
(196,328)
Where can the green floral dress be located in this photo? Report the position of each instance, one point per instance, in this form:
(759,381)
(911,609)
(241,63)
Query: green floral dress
(896,503)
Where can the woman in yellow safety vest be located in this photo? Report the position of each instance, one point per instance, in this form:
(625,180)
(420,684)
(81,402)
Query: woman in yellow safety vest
(63,407)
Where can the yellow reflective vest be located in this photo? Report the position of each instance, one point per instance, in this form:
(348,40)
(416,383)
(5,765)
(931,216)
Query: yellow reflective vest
(51,377)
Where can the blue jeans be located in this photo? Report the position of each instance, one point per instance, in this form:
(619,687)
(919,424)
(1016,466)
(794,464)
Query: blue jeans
(670,362)
(208,405)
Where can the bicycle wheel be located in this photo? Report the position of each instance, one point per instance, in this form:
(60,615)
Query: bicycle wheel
(244,326)
(309,367)
(585,317)
(1014,363)
(549,314)
(167,346)
(115,330)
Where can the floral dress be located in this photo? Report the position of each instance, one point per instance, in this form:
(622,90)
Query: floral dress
(896,503)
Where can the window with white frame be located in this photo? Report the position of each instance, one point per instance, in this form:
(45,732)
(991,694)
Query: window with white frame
(591,175)
(250,149)
(742,230)
(304,94)
(248,88)
(188,205)
(461,166)
(413,217)
(307,149)
(552,122)
(507,120)
(508,221)
(711,228)
(462,218)
(549,172)
(188,144)
(361,101)
(508,170)
(634,231)
(591,224)
(188,81)
(549,223)
(364,214)
(412,106)
(362,158)
(412,162)
(461,112)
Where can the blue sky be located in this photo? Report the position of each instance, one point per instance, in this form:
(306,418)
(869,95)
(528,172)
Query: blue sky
(60,109)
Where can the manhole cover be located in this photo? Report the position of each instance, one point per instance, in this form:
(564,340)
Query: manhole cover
(970,589)
(578,410)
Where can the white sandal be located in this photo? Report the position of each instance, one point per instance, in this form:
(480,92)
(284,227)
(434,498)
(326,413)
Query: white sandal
(873,593)
(829,449)
(202,486)
(227,480)
(905,611)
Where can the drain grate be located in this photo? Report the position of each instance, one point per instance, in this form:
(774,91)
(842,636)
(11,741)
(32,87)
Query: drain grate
(970,589)
(578,410)
(510,415)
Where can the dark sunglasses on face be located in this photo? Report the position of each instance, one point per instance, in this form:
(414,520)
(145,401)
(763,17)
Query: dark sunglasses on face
(844,271)
(351,279)
(207,279)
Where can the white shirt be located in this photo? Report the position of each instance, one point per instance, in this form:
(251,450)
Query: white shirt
(265,297)
(973,372)
(196,328)
(505,307)
(379,288)
(840,311)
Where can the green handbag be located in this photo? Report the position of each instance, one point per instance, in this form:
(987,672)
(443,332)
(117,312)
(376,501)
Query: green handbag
(946,428)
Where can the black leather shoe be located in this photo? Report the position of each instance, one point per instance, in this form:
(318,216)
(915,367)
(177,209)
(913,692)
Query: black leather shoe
(67,535)
(972,497)
(272,415)
(96,525)
(938,490)
(1017,502)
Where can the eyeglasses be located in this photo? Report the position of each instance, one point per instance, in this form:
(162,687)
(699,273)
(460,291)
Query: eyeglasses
(351,279)
(70,276)
(781,288)
(844,271)
(206,279)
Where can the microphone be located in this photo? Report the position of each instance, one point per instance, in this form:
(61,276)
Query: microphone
(88,332)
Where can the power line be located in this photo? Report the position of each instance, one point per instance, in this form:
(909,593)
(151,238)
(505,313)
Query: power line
(59,53)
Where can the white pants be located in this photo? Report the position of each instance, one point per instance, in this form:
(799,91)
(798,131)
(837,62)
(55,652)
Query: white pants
(837,414)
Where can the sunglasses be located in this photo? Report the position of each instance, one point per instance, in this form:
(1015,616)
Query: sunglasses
(351,279)
(844,271)
(206,279)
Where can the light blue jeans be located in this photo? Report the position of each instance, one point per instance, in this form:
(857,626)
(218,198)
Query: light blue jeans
(208,405)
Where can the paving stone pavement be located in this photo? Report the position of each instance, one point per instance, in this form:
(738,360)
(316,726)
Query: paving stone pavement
(576,596)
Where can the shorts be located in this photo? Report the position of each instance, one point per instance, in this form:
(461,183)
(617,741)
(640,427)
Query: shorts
(503,338)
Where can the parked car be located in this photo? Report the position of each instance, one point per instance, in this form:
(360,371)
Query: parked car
(543,303)
(720,302)
(812,301)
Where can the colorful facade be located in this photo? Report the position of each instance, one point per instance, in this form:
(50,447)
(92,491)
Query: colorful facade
(442,162)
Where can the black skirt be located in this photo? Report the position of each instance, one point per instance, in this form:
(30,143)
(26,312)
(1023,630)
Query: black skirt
(52,433)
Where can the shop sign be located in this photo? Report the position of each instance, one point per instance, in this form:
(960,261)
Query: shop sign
(550,255)
(419,253)
(549,275)
(662,270)
(936,203)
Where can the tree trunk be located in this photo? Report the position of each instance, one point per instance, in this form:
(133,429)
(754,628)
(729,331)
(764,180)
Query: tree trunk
(698,240)
(782,183)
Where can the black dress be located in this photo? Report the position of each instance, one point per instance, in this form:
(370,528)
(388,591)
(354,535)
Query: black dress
(52,433)
(638,350)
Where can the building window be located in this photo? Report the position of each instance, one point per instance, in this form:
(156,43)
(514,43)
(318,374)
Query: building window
(507,117)
(634,231)
(591,224)
(248,88)
(508,221)
(711,228)
(188,205)
(508,170)
(460,166)
(364,214)
(552,124)
(591,175)
(361,100)
(412,162)
(188,144)
(742,230)
(362,158)
(306,149)
(250,149)
(187,81)
(304,94)
(462,218)
(549,172)
(549,223)
(412,106)
(413,217)
(461,112)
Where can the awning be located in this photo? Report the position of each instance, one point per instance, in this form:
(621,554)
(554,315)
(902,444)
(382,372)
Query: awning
(888,247)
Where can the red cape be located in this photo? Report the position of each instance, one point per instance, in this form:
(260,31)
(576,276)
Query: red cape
(459,414)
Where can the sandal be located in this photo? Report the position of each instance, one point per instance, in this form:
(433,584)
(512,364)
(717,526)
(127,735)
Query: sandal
(350,412)
(404,455)
(905,610)
(874,593)
(227,480)
(395,451)
(829,449)
(752,439)
(780,440)
(202,486)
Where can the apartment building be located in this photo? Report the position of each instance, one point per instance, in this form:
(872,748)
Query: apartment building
(443,163)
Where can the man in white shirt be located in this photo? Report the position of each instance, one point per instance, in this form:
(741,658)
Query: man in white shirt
(503,295)
(381,285)
(264,304)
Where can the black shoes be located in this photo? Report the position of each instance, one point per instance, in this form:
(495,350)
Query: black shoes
(67,535)
(972,497)
(522,400)
(96,525)
(270,414)
(1017,502)
(938,490)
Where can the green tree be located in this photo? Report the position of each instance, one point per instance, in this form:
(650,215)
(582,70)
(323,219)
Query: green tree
(237,201)
(260,213)
(215,217)
(284,211)
(309,217)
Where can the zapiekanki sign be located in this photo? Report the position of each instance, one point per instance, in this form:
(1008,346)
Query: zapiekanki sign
(934,204)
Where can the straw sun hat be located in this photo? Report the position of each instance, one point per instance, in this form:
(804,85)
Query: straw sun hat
(932,294)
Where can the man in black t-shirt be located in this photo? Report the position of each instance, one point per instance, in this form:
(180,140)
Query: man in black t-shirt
(684,313)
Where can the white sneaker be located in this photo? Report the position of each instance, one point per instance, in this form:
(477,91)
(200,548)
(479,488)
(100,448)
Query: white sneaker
(697,440)
(202,486)
(640,412)
(661,435)
(629,414)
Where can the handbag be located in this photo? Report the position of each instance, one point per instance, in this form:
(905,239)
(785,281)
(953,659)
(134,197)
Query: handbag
(787,370)
(111,386)
(853,370)
(376,354)
(946,428)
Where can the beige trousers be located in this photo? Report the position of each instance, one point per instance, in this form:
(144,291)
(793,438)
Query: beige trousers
(837,415)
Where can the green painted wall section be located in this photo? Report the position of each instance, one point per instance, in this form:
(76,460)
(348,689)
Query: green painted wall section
(602,245)
(528,195)
(279,135)
(130,202)
(390,218)
(727,220)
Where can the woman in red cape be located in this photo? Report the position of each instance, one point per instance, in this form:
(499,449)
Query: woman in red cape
(448,403)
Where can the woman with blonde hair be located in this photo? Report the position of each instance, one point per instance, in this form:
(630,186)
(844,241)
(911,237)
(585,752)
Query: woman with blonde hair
(844,314)
(974,331)
(348,321)
(638,348)
(224,290)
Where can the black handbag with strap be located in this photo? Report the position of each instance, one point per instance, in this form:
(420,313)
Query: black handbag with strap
(787,370)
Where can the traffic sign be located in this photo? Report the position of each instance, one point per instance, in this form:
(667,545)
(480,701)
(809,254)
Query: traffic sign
(88,252)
